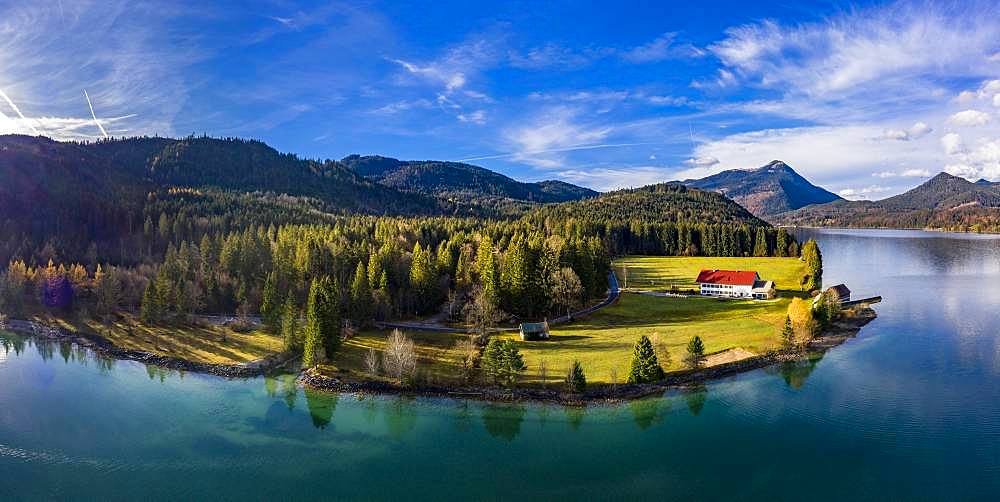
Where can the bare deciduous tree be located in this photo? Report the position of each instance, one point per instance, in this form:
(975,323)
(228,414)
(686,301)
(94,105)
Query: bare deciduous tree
(371,361)
(483,313)
(400,357)
(543,371)
(567,290)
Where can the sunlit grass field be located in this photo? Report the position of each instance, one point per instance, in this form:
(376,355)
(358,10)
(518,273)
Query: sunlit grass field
(662,273)
(603,341)
(197,343)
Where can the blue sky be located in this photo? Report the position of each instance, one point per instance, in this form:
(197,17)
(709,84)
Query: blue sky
(866,99)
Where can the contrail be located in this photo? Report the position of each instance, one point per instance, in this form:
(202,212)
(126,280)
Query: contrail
(18,111)
(92,114)
(556,150)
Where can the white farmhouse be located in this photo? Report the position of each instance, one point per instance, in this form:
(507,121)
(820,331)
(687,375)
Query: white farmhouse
(734,284)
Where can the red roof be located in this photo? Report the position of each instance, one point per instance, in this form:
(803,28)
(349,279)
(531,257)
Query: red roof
(730,277)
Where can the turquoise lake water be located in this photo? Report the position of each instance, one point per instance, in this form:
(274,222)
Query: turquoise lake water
(910,409)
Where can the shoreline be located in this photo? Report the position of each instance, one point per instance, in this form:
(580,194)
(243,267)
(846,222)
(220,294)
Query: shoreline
(104,347)
(839,333)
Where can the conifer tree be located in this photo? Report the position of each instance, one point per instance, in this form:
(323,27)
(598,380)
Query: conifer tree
(695,351)
(486,265)
(361,297)
(314,332)
(644,367)
(150,311)
(760,246)
(290,325)
(788,334)
(576,380)
(781,243)
(270,307)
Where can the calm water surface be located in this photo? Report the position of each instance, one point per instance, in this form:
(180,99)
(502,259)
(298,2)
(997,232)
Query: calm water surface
(908,410)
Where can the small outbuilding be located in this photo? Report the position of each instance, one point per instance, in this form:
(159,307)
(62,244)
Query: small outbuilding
(842,292)
(763,290)
(535,330)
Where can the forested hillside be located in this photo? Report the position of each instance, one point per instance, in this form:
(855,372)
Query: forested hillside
(944,202)
(459,179)
(170,228)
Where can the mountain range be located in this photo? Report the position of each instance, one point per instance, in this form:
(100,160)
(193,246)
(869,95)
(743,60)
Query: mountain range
(456,178)
(107,191)
(944,202)
(771,189)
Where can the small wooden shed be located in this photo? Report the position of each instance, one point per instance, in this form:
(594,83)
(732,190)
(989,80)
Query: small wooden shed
(535,330)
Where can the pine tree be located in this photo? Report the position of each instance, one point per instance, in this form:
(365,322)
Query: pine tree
(517,279)
(788,334)
(270,307)
(151,309)
(312,347)
(361,297)
(814,263)
(781,244)
(290,325)
(644,367)
(423,283)
(760,246)
(576,381)
(486,265)
(695,351)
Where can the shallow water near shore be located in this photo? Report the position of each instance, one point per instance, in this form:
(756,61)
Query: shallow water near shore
(909,409)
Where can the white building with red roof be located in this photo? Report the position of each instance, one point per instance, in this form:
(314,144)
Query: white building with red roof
(734,284)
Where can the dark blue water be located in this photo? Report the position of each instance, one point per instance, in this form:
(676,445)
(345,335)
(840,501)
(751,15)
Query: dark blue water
(908,410)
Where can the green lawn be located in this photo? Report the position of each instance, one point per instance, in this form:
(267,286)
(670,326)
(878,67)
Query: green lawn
(661,273)
(603,341)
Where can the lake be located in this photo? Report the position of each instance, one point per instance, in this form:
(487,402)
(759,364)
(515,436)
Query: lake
(910,409)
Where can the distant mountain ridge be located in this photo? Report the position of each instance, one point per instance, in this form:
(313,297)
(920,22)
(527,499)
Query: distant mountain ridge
(944,202)
(442,177)
(661,203)
(771,189)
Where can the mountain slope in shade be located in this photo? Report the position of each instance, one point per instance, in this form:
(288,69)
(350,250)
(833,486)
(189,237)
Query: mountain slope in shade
(661,203)
(944,202)
(767,190)
(456,178)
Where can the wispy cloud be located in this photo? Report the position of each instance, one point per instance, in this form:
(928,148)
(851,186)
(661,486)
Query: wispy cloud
(131,52)
(662,48)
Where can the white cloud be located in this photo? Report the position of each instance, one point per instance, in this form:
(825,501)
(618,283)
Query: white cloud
(969,118)
(907,173)
(552,132)
(132,58)
(863,193)
(996,100)
(870,47)
(952,144)
(916,131)
(662,48)
(476,117)
(702,162)
(612,178)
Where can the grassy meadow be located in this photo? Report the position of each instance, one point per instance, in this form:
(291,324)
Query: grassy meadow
(662,273)
(209,344)
(603,341)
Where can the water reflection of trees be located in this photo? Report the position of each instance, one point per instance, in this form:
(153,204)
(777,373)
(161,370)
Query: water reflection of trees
(400,416)
(321,407)
(574,416)
(504,421)
(695,396)
(650,411)
(795,373)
